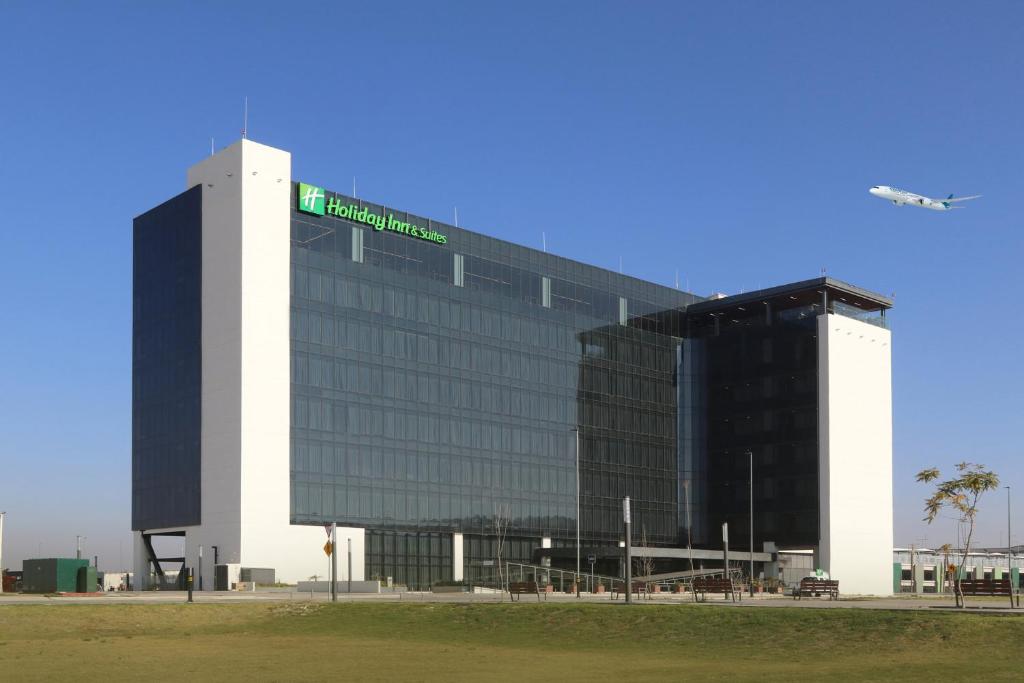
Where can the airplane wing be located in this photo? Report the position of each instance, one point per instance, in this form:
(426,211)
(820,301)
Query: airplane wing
(960,199)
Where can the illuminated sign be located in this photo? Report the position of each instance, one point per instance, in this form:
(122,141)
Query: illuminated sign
(314,200)
(311,199)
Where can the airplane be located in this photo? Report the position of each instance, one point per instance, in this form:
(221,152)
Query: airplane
(901,197)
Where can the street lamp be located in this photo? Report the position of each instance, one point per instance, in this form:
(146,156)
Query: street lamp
(577,430)
(2,515)
(1009,539)
(750,454)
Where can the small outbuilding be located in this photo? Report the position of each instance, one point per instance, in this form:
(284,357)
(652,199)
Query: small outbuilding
(58,575)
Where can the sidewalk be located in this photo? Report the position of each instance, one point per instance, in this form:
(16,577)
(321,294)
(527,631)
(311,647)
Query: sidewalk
(974,605)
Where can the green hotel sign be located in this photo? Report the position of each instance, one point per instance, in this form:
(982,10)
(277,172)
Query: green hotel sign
(314,200)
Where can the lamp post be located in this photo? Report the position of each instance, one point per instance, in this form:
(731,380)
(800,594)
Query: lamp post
(334,562)
(577,577)
(2,515)
(629,550)
(1009,538)
(750,454)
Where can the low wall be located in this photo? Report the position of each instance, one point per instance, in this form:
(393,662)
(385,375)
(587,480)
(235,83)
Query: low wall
(324,586)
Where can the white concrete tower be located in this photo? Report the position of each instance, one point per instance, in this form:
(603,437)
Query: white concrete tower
(855,454)
(245,446)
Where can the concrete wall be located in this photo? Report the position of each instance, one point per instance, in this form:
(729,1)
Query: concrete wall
(342,586)
(221,484)
(457,557)
(855,454)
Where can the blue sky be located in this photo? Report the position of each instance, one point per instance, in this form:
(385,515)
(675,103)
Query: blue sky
(733,142)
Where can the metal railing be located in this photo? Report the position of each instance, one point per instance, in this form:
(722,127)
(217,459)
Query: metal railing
(561,580)
(565,580)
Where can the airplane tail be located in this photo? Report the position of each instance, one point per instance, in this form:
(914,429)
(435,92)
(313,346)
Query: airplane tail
(949,200)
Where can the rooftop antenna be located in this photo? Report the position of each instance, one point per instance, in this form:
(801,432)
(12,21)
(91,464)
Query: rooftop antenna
(353,186)
(677,278)
(211,147)
(620,265)
(245,118)
(544,241)
(456,216)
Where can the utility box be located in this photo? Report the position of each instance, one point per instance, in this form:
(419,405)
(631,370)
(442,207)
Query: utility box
(53,575)
(86,579)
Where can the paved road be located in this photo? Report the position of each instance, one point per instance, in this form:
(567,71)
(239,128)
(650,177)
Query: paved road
(976,605)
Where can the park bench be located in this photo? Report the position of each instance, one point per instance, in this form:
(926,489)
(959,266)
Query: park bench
(703,586)
(520,587)
(989,587)
(619,586)
(814,587)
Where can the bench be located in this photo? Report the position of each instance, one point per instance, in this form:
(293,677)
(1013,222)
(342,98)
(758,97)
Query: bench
(815,587)
(989,587)
(528,587)
(703,586)
(619,587)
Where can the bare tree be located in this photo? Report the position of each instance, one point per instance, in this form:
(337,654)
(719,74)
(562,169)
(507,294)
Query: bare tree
(962,494)
(502,518)
(689,536)
(947,575)
(643,565)
(689,539)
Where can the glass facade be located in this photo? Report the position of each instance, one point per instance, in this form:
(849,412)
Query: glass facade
(167,363)
(753,390)
(749,403)
(442,378)
(433,385)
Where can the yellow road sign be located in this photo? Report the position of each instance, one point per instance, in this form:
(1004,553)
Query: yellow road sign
(328,548)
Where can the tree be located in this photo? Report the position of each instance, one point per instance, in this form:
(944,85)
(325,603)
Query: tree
(962,494)
(643,565)
(502,518)
(947,576)
(689,526)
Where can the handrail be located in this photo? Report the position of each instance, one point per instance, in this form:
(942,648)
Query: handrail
(562,578)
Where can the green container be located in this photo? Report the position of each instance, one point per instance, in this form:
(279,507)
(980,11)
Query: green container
(52,575)
(86,579)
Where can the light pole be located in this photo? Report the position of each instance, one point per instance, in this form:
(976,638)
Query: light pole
(1009,537)
(577,577)
(2,515)
(750,453)
(629,550)
(334,562)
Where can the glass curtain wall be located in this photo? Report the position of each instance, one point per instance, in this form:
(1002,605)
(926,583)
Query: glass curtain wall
(167,363)
(434,386)
(760,394)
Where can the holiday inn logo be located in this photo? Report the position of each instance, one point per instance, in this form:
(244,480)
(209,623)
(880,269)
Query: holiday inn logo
(311,199)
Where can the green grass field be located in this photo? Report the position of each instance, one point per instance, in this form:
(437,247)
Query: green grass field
(387,641)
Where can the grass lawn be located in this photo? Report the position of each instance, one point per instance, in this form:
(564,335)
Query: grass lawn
(524,641)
